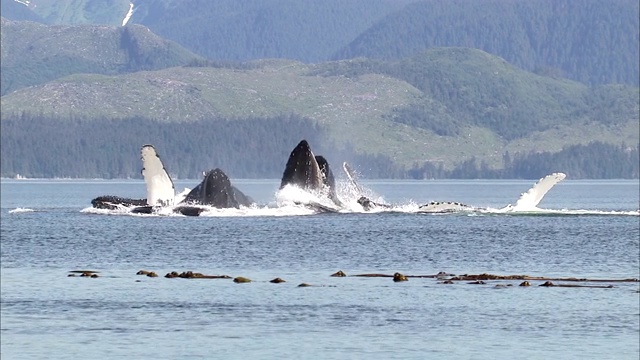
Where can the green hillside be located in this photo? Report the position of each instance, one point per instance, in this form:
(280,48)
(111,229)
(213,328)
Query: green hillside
(591,41)
(67,12)
(34,53)
(231,30)
(445,105)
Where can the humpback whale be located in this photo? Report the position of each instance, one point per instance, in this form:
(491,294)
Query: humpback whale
(309,172)
(528,200)
(160,189)
(214,190)
(112,202)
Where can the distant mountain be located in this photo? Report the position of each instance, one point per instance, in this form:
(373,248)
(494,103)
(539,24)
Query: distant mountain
(67,12)
(231,30)
(19,11)
(441,111)
(591,41)
(34,53)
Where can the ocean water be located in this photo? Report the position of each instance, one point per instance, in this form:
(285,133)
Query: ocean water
(586,229)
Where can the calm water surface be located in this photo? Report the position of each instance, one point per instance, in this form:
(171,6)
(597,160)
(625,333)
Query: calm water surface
(47,315)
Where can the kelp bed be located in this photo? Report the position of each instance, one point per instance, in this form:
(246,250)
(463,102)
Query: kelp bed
(442,277)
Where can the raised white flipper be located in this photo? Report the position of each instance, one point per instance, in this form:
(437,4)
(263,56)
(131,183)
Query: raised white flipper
(530,199)
(160,189)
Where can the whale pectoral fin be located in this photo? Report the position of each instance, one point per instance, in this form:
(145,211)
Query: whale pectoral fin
(352,177)
(160,188)
(533,196)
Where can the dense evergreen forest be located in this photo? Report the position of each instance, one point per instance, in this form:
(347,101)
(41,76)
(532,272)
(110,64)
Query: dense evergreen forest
(33,53)
(512,103)
(596,160)
(563,38)
(591,41)
(425,72)
(45,147)
(38,146)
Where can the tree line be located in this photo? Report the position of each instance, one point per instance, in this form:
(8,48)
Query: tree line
(38,146)
(46,147)
(596,160)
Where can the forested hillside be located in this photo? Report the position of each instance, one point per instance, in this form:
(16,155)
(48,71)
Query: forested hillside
(231,30)
(464,86)
(34,53)
(591,41)
(445,104)
(14,10)
(438,112)
(36,146)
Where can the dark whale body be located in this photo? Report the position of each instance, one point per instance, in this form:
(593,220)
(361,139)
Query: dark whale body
(112,202)
(214,190)
(302,168)
(309,172)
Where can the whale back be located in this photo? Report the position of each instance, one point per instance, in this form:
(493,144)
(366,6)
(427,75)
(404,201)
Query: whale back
(160,189)
(443,207)
(214,190)
(302,169)
(112,202)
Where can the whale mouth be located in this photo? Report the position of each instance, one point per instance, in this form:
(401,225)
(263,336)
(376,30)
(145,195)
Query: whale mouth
(309,172)
(302,168)
(215,190)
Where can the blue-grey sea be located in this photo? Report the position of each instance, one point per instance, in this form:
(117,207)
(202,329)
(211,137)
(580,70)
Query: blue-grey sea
(588,229)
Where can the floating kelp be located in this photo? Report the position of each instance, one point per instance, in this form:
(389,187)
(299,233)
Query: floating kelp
(399,277)
(485,276)
(442,277)
(83,273)
(194,275)
(439,275)
(480,279)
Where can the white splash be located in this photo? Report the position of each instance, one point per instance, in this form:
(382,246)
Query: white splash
(181,196)
(20,210)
